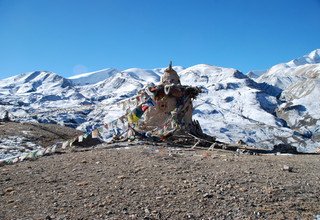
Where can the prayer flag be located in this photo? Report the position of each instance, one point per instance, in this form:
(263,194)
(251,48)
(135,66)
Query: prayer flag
(124,106)
(95,133)
(144,108)
(100,129)
(150,102)
(132,118)
(65,144)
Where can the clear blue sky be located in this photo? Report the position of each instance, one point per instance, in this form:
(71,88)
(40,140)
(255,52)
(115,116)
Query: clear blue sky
(71,36)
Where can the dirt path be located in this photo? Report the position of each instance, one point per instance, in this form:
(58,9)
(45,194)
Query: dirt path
(149,182)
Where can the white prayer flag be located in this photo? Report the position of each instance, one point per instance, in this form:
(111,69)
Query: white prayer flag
(95,133)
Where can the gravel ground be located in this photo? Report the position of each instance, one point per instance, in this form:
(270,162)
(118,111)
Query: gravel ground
(152,182)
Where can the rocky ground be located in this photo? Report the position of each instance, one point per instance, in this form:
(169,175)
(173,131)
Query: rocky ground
(22,138)
(154,182)
(43,135)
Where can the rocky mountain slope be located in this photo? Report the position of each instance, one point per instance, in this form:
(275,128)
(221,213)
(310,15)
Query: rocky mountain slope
(299,79)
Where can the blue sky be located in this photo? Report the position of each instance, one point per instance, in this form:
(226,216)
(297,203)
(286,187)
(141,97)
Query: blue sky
(73,36)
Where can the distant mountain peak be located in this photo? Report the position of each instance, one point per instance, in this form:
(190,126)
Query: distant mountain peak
(254,74)
(315,55)
(312,58)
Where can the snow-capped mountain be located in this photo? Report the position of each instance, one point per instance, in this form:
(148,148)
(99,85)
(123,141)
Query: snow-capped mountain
(284,74)
(254,74)
(232,106)
(311,58)
(300,80)
(301,107)
(235,107)
(34,82)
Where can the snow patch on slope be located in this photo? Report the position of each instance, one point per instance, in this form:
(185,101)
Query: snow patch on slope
(93,77)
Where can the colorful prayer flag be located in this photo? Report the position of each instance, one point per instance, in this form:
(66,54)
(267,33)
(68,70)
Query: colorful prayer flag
(150,102)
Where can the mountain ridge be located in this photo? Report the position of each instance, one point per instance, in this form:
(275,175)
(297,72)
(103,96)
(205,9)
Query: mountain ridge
(284,74)
(232,107)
